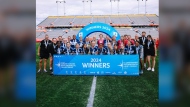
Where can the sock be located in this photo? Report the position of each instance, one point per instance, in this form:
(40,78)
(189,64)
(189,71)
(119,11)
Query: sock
(145,65)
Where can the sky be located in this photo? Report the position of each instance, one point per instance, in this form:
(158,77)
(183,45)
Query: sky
(45,8)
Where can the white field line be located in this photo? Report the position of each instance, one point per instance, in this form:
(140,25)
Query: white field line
(92,93)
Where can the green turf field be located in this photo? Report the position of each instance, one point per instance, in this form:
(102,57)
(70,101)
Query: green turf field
(111,91)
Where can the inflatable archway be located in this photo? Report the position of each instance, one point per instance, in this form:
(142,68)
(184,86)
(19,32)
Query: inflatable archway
(98,27)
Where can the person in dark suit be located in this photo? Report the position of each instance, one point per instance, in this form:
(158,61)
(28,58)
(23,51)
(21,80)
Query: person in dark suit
(85,49)
(151,53)
(130,49)
(52,51)
(143,41)
(43,52)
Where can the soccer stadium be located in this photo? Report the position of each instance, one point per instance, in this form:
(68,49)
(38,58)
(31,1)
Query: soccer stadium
(94,90)
(111,91)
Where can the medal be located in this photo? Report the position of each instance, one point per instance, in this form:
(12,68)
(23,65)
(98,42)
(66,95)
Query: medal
(149,44)
(137,49)
(84,51)
(143,39)
(93,51)
(46,44)
(59,51)
(67,52)
(129,49)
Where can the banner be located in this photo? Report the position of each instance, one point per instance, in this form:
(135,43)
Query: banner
(96,65)
(98,27)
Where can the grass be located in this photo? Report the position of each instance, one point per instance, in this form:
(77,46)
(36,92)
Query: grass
(111,91)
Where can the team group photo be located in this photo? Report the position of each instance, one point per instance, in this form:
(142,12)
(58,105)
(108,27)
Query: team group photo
(93,53)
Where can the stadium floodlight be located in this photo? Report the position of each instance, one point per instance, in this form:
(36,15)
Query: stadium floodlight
(117,5)
(84,5)
(90,7)
(138,6)
(63,6)
(145,6)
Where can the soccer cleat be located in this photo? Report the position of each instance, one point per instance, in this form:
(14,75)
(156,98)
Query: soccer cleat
(45,70)
(152,69)
(148,69)
(39,70)
(141,72)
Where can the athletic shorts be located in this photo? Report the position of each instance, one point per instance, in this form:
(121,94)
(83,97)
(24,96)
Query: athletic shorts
(44,55)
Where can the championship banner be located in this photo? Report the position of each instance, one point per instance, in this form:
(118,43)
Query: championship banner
(96,65)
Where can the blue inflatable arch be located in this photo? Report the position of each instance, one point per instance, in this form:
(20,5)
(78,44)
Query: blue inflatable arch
(98,27)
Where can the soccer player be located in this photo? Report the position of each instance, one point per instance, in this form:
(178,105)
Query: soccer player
(60,39)
(130,48)
(43,52)
(115,50)
(68,50)
(136,38)
(151,52)
(95,40)
(77,50)
(106,41)
(64,43)
(121,41)
(139,51)
(85,50)
(74,41)
(87,42)
(93,49)
(122,50)
(59,49)
(69,39)
(81,42)
(114,41)
(52,51)
(143,41)
(101,49)
(125,40)
(109,49)
(101,40)
(129,39)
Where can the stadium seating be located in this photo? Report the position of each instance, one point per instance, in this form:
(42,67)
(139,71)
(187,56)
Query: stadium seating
(69,25)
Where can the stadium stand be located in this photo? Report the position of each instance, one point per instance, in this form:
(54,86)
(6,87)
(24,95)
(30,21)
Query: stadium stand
(130,24)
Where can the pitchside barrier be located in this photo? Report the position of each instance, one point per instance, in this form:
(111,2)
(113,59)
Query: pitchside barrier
(96,65)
